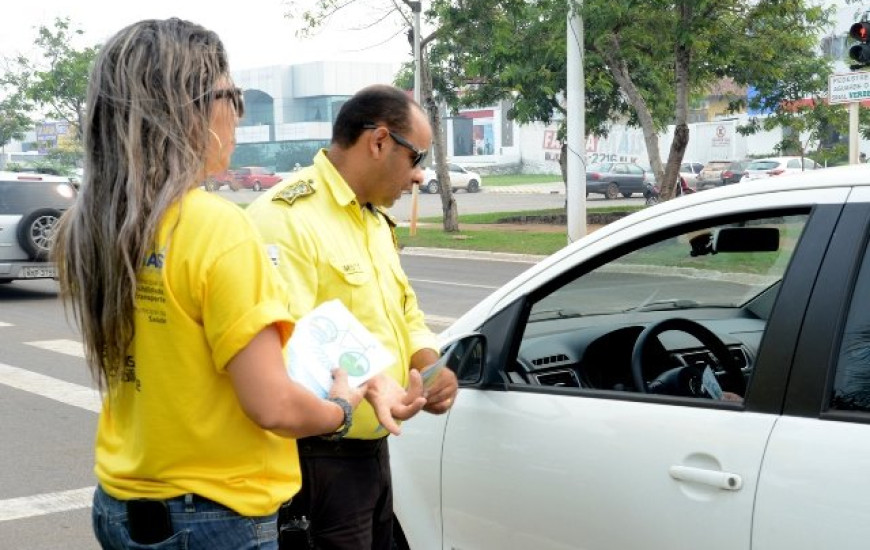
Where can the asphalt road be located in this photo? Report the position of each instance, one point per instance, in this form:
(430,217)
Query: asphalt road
(49,411)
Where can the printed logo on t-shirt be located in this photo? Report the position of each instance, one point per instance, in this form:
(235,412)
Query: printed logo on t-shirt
(154,259)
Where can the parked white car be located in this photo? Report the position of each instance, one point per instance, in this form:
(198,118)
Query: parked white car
(460,178)
(777,166)
(695,375)
(691,171)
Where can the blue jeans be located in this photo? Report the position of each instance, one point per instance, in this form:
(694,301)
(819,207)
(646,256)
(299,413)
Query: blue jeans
(197,523)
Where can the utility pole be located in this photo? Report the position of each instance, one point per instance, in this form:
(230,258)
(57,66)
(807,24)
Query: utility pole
(416,8)
(575,195)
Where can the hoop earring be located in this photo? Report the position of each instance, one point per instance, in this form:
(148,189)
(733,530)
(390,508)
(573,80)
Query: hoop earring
(220,143)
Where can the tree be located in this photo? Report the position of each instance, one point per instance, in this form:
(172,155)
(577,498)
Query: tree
(644,59)
(14,119)
(57,82)
(323,10)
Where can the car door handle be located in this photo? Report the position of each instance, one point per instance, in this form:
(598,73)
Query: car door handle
(714,478)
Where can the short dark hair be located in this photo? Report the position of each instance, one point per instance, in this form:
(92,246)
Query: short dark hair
(378,104)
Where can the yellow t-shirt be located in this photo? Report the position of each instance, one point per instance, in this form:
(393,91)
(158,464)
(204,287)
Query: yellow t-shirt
(326,246)
(173,424)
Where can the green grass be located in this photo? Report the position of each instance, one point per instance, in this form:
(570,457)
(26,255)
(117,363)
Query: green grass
(497,217)
(485,240)
(500,180)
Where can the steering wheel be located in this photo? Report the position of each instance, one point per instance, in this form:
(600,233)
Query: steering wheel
(684,380)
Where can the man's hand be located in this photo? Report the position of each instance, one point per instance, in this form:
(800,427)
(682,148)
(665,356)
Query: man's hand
(442,392)
(392,402)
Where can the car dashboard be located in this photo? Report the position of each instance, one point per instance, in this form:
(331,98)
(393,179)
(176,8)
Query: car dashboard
(585,353)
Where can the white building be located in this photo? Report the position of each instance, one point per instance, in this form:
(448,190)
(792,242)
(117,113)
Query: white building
(289,110)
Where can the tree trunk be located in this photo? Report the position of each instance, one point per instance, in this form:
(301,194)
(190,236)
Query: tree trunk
(448,203)
(610,53)
(682,58)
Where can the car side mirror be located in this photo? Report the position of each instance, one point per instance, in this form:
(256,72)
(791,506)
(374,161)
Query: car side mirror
(735,239)
(465,356)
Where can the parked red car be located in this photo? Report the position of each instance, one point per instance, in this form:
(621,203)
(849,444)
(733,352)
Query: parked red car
(255,177)
(215,181)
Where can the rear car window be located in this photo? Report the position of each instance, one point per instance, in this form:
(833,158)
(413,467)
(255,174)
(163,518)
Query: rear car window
(762,165)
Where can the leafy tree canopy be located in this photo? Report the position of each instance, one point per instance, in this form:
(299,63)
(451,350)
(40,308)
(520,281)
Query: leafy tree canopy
(55,82)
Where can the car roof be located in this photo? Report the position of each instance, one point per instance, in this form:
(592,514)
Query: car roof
(32,176)
(780,159)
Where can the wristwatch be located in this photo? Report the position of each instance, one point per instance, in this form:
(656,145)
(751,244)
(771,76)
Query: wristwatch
(345,424)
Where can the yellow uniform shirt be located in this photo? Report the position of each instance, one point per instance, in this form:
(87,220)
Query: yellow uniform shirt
(327,246)
(173,424)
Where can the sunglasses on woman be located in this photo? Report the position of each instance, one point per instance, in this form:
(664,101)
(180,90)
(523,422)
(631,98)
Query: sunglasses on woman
(236,97)
(419,156)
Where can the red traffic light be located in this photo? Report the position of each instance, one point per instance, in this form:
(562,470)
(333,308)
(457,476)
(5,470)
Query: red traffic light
(860,31)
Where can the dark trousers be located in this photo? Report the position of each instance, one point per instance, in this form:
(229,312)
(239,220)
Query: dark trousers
(346,494)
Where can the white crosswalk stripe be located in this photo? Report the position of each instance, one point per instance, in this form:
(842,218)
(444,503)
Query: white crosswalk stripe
(52,388)
(45,503)
(67,347)
(63,392)
(2,324)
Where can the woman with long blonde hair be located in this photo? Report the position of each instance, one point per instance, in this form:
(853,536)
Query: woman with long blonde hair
(182,315)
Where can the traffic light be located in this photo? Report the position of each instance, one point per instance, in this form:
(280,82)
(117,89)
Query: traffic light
(860,52)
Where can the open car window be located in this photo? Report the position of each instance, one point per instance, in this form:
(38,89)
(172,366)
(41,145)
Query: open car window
(724,278)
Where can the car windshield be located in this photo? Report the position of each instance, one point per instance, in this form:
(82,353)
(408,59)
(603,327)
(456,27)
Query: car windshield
(676,274)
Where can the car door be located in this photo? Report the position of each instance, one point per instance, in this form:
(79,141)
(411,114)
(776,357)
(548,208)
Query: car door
(813,487)
(635,184)
(568,463)
(458,176)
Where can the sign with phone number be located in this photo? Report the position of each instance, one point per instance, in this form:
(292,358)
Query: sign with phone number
(849,87)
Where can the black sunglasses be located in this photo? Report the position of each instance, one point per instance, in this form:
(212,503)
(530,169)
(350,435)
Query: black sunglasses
(419,156)
(236,97)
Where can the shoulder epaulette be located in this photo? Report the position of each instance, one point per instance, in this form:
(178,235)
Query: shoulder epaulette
(289,194)
(390,220)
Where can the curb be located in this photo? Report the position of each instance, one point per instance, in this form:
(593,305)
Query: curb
(532,189)
(462,254)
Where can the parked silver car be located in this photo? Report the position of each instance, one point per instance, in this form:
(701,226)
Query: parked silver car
(30,206)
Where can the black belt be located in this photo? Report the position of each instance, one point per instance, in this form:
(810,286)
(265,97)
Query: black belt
(319,447)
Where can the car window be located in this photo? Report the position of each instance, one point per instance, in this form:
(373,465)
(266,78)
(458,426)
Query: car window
(620,169)
(633,169)
(583,333)
(794,163)
(810,164)
(851,389)
(762,165)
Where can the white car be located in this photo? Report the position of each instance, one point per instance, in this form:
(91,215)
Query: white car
(777,166)
(460,178)
(690,171)
(694,375)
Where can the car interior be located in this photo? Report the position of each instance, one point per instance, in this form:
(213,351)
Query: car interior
(681,316)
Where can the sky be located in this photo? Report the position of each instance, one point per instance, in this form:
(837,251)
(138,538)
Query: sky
(255,32)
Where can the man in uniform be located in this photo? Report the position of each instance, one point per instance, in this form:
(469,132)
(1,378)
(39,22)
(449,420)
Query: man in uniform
(328,235)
